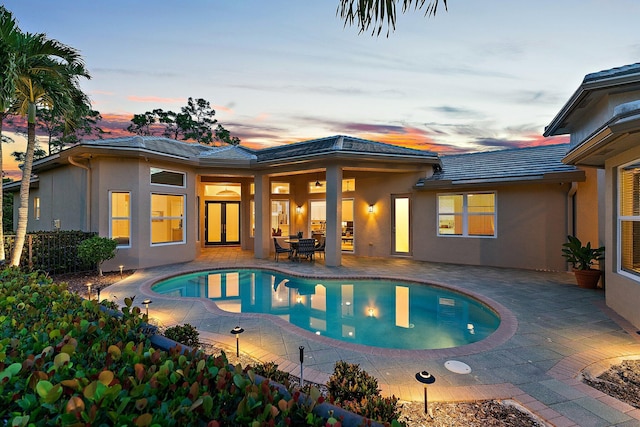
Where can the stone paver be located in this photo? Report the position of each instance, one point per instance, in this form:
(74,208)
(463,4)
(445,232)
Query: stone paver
(550,331)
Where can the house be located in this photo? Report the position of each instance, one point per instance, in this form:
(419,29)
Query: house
(602,118)
(165,201)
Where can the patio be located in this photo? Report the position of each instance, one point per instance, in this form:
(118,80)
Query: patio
(552,331)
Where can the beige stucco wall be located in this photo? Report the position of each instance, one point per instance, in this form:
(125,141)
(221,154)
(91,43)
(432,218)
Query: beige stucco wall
(120,174)
(60,191)
(622,289)
(531,228)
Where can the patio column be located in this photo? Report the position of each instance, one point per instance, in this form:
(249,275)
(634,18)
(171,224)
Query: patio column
(261,240)
(333,250)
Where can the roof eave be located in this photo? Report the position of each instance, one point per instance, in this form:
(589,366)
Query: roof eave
(547,178)
(554,129)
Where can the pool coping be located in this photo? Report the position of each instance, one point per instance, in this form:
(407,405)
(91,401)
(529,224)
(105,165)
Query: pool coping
(507,328)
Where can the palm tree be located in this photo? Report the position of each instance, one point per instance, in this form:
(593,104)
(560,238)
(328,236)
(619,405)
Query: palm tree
(375,12)
(8,34)
(48,74)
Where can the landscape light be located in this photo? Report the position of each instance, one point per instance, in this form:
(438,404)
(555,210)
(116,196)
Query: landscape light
(146,304)
(425,378)
(237,331)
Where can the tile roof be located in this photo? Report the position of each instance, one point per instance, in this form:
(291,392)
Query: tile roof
(155,144)
(338,143)
(517,164)
(612,72)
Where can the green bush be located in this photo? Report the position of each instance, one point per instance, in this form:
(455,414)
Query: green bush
(97,250)
(270,370)
(184,334)
(64,361)
(353,389)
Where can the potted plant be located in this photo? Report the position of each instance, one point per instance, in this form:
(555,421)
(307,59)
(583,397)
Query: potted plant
(582,257)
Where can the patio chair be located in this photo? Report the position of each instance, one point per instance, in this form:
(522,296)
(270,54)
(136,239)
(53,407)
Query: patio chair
(321,246)
(306,248)
(281,250)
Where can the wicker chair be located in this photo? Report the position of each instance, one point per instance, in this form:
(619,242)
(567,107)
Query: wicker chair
(306,248)
(281,250)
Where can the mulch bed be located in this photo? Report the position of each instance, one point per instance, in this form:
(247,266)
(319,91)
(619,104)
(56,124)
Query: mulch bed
(620,381)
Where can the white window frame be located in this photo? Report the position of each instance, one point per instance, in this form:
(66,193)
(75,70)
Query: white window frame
(111,218)
(182,218)
(465,215)
(36,208)
(184,177)
(619,219)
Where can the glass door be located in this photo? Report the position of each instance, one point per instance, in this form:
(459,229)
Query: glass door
(401,232)
(222,223)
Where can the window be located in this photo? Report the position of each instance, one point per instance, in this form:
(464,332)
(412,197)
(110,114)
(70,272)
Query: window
(279,188)
(467,214)
(166,177)
(167,219)
(252,204)
(120,223)
(320,187)
(280,218)
(36,208)
(629,218)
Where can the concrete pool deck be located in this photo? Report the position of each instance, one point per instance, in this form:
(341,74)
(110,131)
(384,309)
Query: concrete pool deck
(551,331)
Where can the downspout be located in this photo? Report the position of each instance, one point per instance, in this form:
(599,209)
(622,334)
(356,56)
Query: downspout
(88,191)
(571,210)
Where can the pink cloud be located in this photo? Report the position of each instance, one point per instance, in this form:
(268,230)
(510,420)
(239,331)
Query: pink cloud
(156,99)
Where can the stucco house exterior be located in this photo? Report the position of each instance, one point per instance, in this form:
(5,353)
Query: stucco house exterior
(602,118)
(165,201)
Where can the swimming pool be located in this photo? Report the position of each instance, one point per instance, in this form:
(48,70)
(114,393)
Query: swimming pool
(371,312)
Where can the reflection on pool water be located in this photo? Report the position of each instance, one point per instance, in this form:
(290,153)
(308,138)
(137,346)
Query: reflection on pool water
(372,312)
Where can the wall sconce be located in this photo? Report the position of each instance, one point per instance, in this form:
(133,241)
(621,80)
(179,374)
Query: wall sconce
(371,312)
(298,210)
(370,208)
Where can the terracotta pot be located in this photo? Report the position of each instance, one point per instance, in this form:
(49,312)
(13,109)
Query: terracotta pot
(588,278)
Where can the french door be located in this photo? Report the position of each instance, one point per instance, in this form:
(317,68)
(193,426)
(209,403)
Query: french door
(222,223)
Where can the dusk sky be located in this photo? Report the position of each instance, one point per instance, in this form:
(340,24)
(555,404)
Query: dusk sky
(485,75)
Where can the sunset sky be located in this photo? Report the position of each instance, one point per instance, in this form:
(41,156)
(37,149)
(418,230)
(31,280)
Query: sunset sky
(485,75)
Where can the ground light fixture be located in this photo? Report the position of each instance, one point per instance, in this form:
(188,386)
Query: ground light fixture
(237,331)
(146,304)
(425,378)
(121,267)
(88,285)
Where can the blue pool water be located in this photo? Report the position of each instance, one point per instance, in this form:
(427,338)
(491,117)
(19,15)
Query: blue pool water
(372,312)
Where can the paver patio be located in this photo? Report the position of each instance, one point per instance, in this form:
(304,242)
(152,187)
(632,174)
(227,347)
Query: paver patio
(551,331)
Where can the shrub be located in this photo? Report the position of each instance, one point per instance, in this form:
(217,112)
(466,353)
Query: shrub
(184,334)
(97,250)
(355,390)
(64,361)
(270,370)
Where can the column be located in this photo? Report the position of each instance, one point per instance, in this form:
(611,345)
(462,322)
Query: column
(262,239)
(333,251)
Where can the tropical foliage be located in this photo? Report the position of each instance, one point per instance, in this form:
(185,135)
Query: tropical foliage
(581,256)
(194,122)
(37,73)
(65,361)
(376,14)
